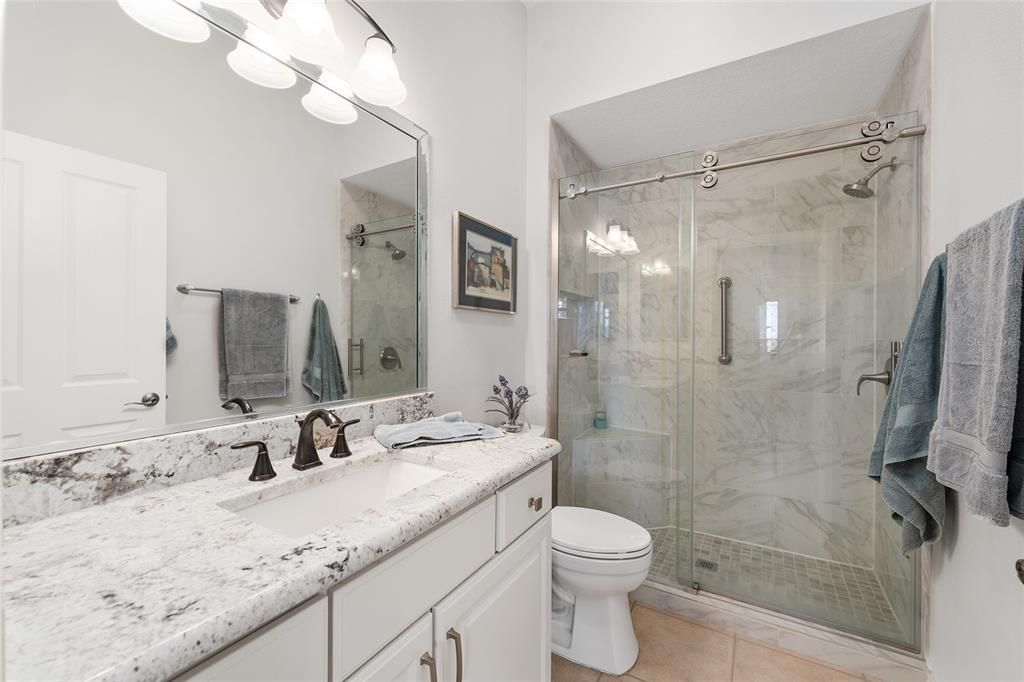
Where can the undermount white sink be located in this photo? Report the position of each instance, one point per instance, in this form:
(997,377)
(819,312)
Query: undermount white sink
(340,498)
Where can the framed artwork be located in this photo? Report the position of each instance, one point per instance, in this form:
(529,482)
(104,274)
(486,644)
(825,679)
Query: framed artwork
(486,266)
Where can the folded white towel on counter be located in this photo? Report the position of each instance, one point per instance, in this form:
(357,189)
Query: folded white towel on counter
(448,428)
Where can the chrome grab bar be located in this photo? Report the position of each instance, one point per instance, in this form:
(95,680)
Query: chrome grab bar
(352,346)
(723,284)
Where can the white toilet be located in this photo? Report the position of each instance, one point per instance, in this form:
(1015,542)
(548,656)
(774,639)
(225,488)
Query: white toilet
(597,558)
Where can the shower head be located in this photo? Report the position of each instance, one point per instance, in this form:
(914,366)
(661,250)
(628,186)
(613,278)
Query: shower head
(396,253)
(861,189)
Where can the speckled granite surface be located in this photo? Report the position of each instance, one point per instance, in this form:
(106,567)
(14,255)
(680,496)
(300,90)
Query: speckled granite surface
(143,587)
(40,487)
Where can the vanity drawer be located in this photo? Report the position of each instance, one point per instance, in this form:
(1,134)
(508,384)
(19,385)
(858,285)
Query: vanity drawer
(522,503)
(372,608)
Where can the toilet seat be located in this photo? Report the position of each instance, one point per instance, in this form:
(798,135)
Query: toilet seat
(593,534)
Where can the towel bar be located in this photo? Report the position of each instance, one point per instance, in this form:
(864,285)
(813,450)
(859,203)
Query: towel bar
(188,289)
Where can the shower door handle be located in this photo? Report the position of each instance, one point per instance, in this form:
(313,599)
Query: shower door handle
(723,284)
(887,374)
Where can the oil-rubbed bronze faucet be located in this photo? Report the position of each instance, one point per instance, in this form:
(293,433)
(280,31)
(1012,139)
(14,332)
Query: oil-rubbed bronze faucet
(306,456)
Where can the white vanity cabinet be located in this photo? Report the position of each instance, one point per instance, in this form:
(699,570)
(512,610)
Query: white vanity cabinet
(498,622)
(474,594)
(293,647)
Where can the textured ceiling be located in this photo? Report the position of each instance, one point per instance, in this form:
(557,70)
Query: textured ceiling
(831,77)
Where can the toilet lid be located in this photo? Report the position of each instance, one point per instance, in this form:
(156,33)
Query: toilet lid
(591,532)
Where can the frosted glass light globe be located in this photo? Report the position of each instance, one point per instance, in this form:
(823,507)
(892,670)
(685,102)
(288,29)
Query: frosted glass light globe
(306,30)
(257,65)
(168,18)
(328,105)
(376,78)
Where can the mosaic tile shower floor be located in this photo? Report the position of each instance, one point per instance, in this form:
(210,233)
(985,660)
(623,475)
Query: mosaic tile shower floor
(847,596)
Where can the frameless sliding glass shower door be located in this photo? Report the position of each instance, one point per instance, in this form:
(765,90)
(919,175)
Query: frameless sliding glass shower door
(707,372)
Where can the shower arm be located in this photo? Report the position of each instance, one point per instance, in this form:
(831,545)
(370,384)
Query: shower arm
(891,164)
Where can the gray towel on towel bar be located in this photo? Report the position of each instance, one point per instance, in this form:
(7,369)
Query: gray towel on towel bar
(448,428)
(900,455)
(254,345)
(322,373)
(977,444)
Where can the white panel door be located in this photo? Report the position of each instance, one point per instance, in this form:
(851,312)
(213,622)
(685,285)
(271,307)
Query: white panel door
(501,616)
(84,296)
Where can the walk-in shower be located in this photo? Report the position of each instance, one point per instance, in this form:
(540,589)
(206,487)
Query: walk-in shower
(706,374)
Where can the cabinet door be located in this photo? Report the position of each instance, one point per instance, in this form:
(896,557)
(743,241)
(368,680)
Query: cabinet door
(407,659)
(501,616)
(293,647)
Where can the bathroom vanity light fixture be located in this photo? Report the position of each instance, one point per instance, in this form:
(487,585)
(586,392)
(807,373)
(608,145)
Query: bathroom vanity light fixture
(307,32)
(168,18)
(305,29)
(329,105)
(261,66)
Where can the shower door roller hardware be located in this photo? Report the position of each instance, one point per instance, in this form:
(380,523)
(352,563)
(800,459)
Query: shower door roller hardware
(389,358)
(875,127)
(709,160)
(723,284)
(148,400)
(709,179)
(884,377)
(352,346)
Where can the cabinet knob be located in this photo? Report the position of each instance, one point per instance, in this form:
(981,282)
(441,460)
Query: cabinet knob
(535,503)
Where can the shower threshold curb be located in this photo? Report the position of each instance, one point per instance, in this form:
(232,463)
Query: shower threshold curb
(856,654)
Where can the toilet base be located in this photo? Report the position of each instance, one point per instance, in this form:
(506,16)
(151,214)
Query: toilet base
(602,635)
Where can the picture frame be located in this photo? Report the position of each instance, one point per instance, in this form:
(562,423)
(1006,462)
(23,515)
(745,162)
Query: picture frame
(485,263)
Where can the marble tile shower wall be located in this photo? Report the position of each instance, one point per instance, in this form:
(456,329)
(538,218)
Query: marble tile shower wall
(577,299)
(382,290)
(633,329)
(781,441)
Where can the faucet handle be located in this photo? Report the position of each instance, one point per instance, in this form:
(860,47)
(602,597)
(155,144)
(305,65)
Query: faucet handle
(341,448)
(262,470)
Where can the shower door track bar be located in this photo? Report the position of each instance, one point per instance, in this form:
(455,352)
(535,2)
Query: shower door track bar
(885,137)
(352,235)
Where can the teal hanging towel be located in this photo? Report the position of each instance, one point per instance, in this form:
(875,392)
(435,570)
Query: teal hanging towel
(322,373)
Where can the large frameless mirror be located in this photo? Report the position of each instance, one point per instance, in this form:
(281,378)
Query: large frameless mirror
(194,229)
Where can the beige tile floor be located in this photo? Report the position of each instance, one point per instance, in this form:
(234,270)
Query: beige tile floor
(676,650)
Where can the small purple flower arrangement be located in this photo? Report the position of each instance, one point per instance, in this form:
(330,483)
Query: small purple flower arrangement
(511,403)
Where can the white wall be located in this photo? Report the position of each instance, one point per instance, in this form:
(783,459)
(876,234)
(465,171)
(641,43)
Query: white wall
(464,64)
(578,53)
(977,604)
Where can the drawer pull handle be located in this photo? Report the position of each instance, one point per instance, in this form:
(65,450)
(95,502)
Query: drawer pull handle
(454,635)
(535,503)
(428,660)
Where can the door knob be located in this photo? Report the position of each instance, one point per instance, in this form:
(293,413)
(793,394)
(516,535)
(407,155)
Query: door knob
(148,400)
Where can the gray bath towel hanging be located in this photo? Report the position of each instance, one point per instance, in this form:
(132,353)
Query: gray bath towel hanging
(899,456)
(254,345)
(978,439)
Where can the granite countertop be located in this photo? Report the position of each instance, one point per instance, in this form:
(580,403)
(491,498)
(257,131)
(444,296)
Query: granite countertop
(144,587)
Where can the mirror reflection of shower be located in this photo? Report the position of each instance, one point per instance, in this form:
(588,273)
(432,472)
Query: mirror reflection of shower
(861,189)
(361,235)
